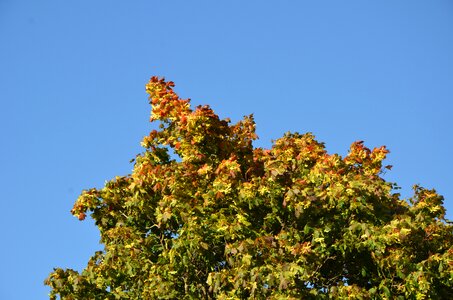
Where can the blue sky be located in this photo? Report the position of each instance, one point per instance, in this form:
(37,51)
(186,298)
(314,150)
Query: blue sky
(73,106)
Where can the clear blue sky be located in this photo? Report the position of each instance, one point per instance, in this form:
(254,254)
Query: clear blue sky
(73,106)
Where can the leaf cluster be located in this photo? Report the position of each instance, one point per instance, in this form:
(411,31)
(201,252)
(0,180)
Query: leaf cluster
(221,219)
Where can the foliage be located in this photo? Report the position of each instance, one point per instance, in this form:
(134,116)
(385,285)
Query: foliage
(222,219)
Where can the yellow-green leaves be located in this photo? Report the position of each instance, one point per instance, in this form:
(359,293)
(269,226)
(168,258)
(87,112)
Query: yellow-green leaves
(225,220)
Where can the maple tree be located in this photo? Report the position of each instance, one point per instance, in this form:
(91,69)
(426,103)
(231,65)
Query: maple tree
(220,219)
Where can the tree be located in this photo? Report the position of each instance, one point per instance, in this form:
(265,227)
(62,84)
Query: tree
(205,215)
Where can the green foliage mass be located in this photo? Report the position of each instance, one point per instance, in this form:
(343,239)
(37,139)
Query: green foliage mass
(225,220)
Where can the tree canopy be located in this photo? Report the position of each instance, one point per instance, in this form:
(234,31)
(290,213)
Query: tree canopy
(206,215)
